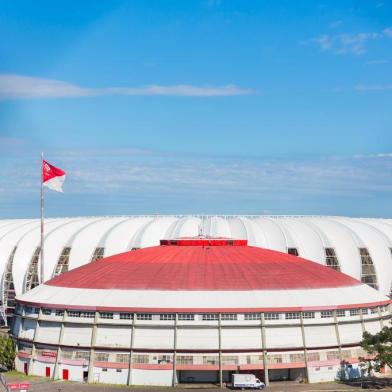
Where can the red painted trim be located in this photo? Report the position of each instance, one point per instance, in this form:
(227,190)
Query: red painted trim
(111,365)
(204,310)
(22,354)
(204,242)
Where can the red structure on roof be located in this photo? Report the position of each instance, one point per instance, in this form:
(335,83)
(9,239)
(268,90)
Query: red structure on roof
(192,264)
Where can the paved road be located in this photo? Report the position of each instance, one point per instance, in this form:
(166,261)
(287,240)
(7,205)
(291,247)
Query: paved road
(42,385)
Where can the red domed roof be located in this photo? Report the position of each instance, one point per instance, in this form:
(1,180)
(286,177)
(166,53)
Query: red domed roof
(223,267)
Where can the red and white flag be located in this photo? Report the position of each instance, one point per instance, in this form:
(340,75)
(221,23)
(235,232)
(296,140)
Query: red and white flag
(52,176)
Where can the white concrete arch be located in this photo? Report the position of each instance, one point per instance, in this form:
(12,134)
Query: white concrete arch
(87,239)
(185,227)
(306,239)
(378,245)
(25,251)
(151,233)
(119,237)
(58,239)
(345,242)
(275,238)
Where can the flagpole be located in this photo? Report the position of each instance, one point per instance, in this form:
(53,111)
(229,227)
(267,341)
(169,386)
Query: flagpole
(42,218)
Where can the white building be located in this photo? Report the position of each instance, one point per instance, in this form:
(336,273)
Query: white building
(198,309)
(360,248)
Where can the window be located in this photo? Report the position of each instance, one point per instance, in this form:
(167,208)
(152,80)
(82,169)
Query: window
(59,313)
(167,317)
(229,360)
(31,279)
(8,284)
(104,369)
(252,316)
(87,314)
(185,359)
(364,311)
(300,357)
(354,312)
(333,355)
(144,316)
(73,313)
(29,310)
(140,358)
(373,310)
(66,354)
(97,254)
(186,317)
(118,370)
(126,316)
(271,316)
(82,355)
(317,369)
(122,358)
(293,251)
(36,310)
(368,273)
(229,316)
(313,356)
(102,357)
(331,259)
(292,316)
(340,313)
(63,261)
(326,314)
(47,312)
(210,360)
(210,317)
(275,358)
(308,315)
(105,315)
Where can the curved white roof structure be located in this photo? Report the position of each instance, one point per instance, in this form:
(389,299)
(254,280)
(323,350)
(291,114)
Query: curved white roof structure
(359,247)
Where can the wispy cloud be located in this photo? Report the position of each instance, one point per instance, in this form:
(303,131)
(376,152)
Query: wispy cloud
(349,43)
(26,87)
(335,24)
(373,87)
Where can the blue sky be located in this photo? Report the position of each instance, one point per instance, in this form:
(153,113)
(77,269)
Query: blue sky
(211,106)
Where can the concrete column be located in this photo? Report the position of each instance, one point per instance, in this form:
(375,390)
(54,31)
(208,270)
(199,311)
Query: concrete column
(336,324)
(380,317)
(174,382)
(220,350)
(33,352)
(304,345)
(362,322)
(90,378)
(129,381)
(58,355)
(264,348)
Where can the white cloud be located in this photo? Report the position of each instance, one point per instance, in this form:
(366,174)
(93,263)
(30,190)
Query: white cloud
(348,43)
(388,32)
(26,87)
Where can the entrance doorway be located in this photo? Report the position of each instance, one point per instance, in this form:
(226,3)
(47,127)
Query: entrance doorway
(65,374)
(47,371)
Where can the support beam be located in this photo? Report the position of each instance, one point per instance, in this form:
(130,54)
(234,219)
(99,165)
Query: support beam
(264,348)
(58,355)
(129,380)
(220,350)
(174,381)
(304,346)
(90,378)
(337,333)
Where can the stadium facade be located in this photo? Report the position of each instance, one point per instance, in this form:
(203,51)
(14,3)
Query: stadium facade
(196,310)
(292,333)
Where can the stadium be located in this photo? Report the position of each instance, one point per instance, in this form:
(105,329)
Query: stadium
(193,299)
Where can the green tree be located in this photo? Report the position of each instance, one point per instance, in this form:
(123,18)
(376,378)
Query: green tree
(378,346)
(7,352)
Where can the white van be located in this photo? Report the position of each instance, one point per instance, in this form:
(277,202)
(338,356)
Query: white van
(242,381)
